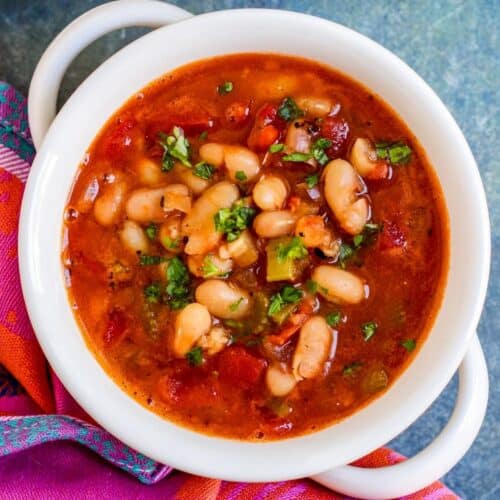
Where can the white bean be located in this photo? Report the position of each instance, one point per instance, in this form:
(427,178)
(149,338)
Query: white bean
(133,237)
(108,205)
(240,159)
(275,223)
(212,153)
(149,172)
(196,184)
(209,266)
(199,224)
(313,348)
(223,299)
(279,382)
(154,205)
(315,106)
(215,340)
(364,159)
(339,286)
(270,192)
(191,324)
(170,236)
(298,138)
(342,192)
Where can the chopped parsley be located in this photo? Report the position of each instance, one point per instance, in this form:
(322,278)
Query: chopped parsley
(409,344)
(175,147)
(318,150)
(291,251)
(152,293)
(288,110)
(234,306)
(210,270)
(203,170)
(232,221)
(312,180)
(225,88)
(241,176)
(177,283)
(346,252)
(170,243)
(364,239)
(396,153)
(287,295)
(368,330)
(152,231)
(195,356)
(203,136)
(333,319)
(312,286)
(351,369)
(276,148)
(151,260)
(298,157)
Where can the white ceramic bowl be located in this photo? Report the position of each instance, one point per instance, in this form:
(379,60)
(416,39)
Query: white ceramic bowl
(50,182)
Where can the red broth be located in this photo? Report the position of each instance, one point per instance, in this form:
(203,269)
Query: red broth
(317,287)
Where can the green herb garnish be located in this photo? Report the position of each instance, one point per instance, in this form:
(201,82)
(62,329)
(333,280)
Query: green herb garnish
(152,293)
(234,306)
(170,243)
(241,176)
(333,319)
(177,283)
(152,231)
(346,252)
(210,270)
(288,110)
(232,221)
(151,260)
(298,157)
(397,152)
(368,330)
(351,369)
(203,136)
(195,356)
(225,88)
(312,286)
(312,180)
(409,344)
(318,150)
(293,250)
(204,170)
(276,148)
(287,295)
(175,147)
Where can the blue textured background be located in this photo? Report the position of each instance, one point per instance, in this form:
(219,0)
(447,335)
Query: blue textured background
(452,44)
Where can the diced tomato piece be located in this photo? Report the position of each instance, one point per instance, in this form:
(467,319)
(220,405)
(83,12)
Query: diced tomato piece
(380,171)
(336,129)
(392,237)
(115,328)
(294,203)
(119,138)
(237,114)
(266,129)
(293,323)
(240,368)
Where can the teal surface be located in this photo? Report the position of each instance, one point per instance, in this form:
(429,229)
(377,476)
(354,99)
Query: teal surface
(452,44)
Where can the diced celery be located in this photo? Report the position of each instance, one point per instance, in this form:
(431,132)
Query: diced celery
(282,269)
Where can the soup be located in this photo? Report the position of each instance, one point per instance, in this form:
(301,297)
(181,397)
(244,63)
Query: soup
(255,246)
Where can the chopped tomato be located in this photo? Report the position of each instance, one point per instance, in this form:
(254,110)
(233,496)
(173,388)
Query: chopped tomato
(240,368)
(266,129)
(336,129)
(237,114)
(115,328)
(392,238)
(293,324)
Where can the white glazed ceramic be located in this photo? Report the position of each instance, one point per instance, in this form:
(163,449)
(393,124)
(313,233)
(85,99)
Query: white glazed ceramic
(451,342)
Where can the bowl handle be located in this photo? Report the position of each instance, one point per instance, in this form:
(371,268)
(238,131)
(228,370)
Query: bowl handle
(439,457)
(46,80)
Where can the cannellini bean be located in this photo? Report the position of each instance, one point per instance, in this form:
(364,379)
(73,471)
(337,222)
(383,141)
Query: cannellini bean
(108,205)
(196,184)
(212,153)
(170,236)
(146,205)
(133,237)
(363,158)
(243,250)
(199,224)
(313,348)
(215,340)
(277,87)
(270,192)
(339,286)
(315,106)
(191,324)
(298,138)
(241,159)
(315,234)
(279,382)
(223,299)
(275,223)
(342,192)
(209,266)
(149,172)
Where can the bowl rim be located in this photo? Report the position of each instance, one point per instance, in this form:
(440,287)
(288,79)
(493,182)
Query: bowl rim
(220,457)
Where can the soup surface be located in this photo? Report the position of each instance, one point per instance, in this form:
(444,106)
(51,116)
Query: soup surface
(254,246)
